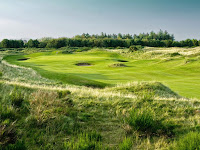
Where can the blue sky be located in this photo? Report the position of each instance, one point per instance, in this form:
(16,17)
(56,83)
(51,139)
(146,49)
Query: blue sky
(66,18)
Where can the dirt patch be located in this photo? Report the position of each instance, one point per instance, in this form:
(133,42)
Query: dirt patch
(119,60)
(83,64)
(23,59)
(117,65)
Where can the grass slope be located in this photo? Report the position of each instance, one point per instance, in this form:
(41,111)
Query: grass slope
(33,118)
(179,72)
(37,113)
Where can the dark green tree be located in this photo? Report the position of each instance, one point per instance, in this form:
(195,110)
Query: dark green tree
(5,43)
(30,44)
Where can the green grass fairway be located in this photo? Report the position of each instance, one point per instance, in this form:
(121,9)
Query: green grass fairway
(180,75)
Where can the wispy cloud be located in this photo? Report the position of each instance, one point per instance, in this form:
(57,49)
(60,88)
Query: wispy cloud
(39,18)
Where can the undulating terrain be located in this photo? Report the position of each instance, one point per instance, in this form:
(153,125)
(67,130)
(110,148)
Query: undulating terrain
(78,98)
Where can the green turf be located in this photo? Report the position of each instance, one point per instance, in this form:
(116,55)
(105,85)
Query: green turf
(180,76)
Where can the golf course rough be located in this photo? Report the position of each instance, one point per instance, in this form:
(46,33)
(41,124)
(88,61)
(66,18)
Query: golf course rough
(100,68)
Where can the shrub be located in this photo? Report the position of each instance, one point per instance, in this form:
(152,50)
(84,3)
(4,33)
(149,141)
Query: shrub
(126,144)
(85,141)
(134,48)
(191,141)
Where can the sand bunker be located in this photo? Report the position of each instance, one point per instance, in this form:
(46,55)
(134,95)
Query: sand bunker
(119,60)
(83,64)
(23,59)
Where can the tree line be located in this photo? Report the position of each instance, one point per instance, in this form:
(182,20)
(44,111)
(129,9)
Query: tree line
(152,39)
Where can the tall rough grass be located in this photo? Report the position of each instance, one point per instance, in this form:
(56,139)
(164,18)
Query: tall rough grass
(143,120)
(126,144)
(16,98)
(22,74)
(85,141)
(190,141)
(61,116)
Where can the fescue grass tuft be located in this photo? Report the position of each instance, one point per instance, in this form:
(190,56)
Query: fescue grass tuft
(126,144)
(7,112)
(16,98)
(142,120)
(62,94)
(85,141)
(190,141)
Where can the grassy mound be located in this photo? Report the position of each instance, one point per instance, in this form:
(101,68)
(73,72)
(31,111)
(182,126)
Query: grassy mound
(41,113)
(32,118)
(178,73)
(157,88)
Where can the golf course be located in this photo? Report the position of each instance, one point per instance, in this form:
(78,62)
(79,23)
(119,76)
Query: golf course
(99,75)
(75,98)
(174,68)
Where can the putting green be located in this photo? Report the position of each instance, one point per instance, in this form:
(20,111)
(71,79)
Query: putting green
(102,68)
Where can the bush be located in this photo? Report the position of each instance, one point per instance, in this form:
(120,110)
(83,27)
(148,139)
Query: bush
(134,48)
(85,141)
(191,141)
(126,144)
